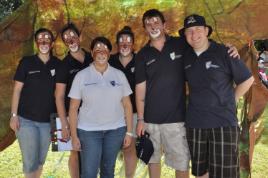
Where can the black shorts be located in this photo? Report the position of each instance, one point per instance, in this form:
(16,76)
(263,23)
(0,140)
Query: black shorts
(215,151)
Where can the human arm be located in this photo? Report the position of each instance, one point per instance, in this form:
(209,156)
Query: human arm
(60,103)
(73,117)
(140,97)
(14,120)
(243,87)
(129,120)
(232,51)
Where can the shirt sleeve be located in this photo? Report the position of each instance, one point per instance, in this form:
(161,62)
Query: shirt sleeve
(62,74)
(21,72)
(126,87)
(140,69)
(76,90)
(238,69)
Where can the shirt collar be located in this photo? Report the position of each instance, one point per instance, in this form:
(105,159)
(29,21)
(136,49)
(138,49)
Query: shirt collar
(149,41)
(93,69)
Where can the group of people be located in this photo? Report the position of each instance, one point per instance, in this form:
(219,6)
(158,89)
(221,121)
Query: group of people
(105,101)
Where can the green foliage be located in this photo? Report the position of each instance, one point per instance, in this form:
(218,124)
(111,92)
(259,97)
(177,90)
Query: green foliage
(8,6)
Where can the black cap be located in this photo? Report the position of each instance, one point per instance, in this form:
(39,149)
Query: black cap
(144,148)
(125,31)
(194,20)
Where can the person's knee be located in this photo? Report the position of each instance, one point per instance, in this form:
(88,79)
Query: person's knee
(73,155)
(107,170)
(130,151)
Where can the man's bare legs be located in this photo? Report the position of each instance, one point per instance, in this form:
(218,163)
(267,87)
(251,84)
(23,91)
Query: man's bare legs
(154,170)
(182,174)
(74,164)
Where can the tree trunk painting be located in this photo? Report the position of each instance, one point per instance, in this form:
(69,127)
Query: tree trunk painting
(233,21)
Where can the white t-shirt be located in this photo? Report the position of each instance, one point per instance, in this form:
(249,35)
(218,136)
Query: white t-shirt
(101,97)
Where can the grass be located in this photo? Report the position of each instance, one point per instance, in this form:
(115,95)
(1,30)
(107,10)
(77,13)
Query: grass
(56,163)
(260,156)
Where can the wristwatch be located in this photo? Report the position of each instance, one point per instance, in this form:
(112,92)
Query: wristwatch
(130,134)
(14,115)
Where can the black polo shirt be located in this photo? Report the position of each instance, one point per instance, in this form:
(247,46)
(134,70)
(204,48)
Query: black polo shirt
(164,75)
(129,71)
(37,100)
(67,71)
(211,77)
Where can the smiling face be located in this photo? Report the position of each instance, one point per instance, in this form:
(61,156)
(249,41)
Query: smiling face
(71,40)
(100,54)
(197,37)
(154,27)
(44,42)
(125,45)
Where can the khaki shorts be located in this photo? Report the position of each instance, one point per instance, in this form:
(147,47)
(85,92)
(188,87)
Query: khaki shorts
(170,139)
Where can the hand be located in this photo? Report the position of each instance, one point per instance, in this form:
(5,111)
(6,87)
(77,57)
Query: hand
(233,52)
(127,141)
(76,144)
(140,128)
(14,123)
(65,132)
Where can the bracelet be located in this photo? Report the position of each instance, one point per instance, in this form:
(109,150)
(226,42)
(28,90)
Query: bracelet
(140,119)
(130,134)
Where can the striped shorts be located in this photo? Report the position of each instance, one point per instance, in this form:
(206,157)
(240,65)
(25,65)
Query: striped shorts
(215,151)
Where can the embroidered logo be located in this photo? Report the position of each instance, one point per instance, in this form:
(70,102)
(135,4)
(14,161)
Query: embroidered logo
(132,69)
(87,84)
(188,66)
(210,65)
(191,19)
(73,71)
(172,55)
(150,62)
(53,72)
(34,71)
(113,83)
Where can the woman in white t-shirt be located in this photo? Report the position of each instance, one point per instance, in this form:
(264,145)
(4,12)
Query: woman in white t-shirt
(104,121)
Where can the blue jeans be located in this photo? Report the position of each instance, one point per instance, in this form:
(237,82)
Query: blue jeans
(99,150)
(34,140)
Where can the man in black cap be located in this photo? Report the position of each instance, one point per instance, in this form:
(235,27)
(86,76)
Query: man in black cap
(160,95)
(211,122)
(124,61)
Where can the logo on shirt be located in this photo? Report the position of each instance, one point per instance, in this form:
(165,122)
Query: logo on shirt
(173,56)
(34,71)
(53,72)
(150,62)
(210,65)
(87,84)
(132,69)
(188,66)
(73,71)
(113,83)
